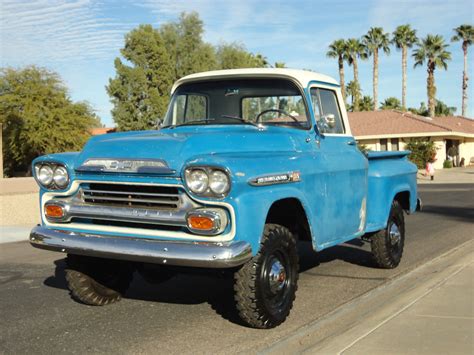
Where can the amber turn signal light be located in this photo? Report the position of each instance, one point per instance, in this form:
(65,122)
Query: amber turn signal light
(200,223)
(54,211)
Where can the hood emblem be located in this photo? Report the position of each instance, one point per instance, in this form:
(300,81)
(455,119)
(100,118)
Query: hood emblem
(135,166)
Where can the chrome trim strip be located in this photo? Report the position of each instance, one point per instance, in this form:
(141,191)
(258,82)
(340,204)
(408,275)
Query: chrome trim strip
(131,166)
(274,179)
(178,253)
(124,214)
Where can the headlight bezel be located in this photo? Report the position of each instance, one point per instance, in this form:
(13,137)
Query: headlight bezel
(50,180)
(54,166)
(208,170)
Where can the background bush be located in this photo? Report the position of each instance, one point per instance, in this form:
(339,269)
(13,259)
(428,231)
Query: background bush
(422,151)
(448,164)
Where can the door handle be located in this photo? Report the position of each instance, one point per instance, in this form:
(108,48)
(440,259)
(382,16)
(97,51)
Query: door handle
(351,142)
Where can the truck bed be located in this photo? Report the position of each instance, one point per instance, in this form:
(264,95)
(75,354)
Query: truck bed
(390,175)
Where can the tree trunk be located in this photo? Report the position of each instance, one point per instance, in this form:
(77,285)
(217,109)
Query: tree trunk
(464,81)
(375,78)
(341,78)
(356,81)
(404,78)
(431,89)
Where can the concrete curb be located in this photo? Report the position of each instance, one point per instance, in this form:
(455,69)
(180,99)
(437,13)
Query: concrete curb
(366,313)
(11,234)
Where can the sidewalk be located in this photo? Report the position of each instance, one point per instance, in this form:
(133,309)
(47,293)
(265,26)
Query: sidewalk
(15,233)
(440,322)
(429,310)
(448,176)
(433,316)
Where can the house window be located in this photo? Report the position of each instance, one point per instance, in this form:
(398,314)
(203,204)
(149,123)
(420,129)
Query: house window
(395,145)
(383,144)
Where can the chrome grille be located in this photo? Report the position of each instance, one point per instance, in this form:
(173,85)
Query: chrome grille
(159,197)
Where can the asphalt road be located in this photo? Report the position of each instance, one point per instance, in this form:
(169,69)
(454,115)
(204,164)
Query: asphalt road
(195,314)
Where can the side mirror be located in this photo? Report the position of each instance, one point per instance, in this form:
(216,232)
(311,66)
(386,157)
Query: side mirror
(159,122)
(329,120)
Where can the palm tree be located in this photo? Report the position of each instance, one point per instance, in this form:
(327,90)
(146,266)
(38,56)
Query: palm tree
(355,49)
(366,104)
(353,90)
(464,33)
(261,61)
(404,37)
(391,103)
(442,109)
(432,50)
(337,49)
(374,40)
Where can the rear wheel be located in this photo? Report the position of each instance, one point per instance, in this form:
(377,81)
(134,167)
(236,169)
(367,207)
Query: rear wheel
(387,244)
(96,281)
(265,286)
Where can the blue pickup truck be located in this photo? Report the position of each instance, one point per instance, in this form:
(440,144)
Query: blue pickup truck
(244,164)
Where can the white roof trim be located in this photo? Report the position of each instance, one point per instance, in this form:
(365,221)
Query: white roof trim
(303,77)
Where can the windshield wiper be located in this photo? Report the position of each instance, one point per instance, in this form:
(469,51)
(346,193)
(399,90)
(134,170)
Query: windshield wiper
(190,123)
(240,119)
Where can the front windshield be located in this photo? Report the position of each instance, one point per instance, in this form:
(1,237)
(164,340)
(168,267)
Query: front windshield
(242,101)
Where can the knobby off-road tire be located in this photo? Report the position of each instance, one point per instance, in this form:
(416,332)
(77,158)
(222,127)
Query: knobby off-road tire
(265,286)
(96,281)
(387,244)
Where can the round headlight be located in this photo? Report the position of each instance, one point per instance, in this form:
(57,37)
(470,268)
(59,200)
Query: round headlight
(45,175)
(219,182)
(61,177)
(197,181)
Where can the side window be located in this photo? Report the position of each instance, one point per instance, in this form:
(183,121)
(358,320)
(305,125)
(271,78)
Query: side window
(330,110)
(316,106)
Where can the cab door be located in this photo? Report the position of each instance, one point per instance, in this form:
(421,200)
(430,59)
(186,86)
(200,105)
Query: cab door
(340,179)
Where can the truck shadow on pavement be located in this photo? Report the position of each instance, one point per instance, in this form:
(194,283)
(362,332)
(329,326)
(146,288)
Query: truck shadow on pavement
(217,289)
(353,252)
(462,214)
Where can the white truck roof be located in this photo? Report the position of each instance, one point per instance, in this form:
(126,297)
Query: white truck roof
(303,77)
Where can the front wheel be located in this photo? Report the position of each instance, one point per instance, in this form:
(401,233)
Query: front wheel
(265,286)
(387,244)
(96,281)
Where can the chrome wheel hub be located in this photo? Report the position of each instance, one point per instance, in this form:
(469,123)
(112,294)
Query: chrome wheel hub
(395,235)
(277,276)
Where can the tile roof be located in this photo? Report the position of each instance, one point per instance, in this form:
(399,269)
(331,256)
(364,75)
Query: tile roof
(456,123)
(102,130)
(389,122)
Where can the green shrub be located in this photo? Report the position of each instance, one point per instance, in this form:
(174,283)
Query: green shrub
(422,152)
(448,164)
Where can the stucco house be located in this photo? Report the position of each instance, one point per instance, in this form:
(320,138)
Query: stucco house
(391,129)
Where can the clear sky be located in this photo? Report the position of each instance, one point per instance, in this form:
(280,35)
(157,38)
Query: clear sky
(80,38)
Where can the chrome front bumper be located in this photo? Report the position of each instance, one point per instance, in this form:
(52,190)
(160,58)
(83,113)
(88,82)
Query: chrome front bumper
(177,253)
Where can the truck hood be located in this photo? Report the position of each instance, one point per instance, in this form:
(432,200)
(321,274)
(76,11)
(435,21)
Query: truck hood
(180,145)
